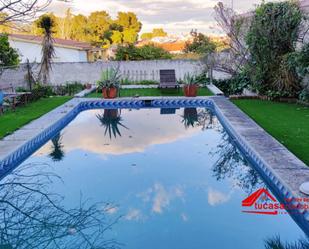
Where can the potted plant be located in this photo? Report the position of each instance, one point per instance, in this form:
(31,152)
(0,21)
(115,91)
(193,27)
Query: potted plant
(109,83)
(111,119)
(190,85)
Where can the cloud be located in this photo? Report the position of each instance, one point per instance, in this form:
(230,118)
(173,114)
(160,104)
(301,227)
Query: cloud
(168,14)
(216,197)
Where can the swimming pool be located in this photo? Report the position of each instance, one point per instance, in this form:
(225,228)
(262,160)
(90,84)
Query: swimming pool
(148,178)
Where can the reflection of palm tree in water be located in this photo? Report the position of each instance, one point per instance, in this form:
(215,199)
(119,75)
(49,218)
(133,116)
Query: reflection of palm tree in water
(231,164)
(31,217)
(57,153)
(111,119)
(193,117)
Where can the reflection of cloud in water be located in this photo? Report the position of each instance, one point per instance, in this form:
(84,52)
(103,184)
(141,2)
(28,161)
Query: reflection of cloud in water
(184,217)
(160,196)
(135,215)
(86,133)
(216,197)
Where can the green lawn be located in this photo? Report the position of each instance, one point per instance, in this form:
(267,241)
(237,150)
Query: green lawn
(152,92)
(11,121)
(288,123)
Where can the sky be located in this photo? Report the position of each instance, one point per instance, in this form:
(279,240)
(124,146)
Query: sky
(174,16)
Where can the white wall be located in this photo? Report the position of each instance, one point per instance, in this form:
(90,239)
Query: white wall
(90,72)
(32,51)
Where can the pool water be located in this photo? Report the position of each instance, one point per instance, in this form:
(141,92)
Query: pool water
(149,178)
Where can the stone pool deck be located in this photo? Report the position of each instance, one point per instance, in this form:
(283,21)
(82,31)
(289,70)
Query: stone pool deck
(278,163)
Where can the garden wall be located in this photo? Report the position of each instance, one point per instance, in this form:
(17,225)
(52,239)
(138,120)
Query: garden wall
(85,72)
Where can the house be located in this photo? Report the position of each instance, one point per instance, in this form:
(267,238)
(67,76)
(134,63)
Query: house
(29,47)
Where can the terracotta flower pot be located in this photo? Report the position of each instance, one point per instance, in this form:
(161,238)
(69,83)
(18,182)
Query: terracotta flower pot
(109,92)
(190,90)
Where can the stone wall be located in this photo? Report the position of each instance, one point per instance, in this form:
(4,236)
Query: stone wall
(85,72)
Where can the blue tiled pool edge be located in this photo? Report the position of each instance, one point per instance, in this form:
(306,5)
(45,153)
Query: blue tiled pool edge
(230,117)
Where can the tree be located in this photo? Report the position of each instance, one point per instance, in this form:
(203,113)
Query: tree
(233,25)
(147,52)
(159,32)
(128,25)
(79,31)
(46,23)
(8,55)
(271,38)
(98,23)
(65,25)
(21,10)
(128,20)
(201,44)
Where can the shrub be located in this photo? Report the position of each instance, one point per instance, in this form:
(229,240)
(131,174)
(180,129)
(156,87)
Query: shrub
(8,55)
(271,37)
(41,91)
(147,52)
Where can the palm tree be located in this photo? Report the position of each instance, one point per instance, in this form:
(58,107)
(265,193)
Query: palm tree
(46,23)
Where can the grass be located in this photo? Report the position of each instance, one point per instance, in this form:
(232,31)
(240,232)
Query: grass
(151,92)
(288,123)
(12,121)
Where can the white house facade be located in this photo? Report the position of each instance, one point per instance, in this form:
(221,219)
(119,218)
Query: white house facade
(29,48)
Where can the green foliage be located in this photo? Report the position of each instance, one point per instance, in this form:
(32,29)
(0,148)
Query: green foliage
(234,85)
(109,78)
(300,60)
(147,52)
(98,28)
(126,81)
(69,88)
(8,55)
(41,91)
(272,36)
(201,45)
(155,33)
(189,79)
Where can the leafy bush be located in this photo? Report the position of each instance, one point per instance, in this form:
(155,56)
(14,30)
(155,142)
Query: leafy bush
(234,85)
(272,36)
(41,91)
(147,52)
(8,55)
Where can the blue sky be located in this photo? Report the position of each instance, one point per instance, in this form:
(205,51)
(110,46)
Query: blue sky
(175,16)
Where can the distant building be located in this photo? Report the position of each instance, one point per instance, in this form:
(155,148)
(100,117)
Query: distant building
(176,44)
(29,47)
